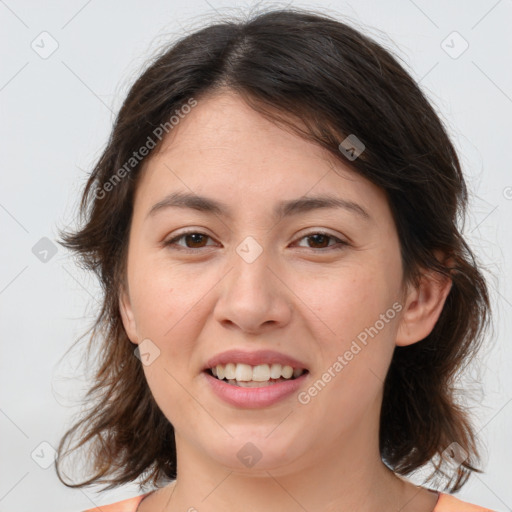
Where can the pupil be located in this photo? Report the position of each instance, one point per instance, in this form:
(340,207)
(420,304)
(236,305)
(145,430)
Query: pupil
(195,235)
(325,237)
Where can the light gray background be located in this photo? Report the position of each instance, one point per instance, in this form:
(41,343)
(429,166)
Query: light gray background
(56,115)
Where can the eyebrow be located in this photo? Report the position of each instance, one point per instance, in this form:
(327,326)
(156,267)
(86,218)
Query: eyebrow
(282,209)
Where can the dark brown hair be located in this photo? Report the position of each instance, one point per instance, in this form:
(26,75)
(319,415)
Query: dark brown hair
(298,68)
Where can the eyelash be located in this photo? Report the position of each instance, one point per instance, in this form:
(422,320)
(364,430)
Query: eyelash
(341,243)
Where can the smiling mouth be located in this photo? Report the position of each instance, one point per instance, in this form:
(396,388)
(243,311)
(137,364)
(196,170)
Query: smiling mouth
(244,375)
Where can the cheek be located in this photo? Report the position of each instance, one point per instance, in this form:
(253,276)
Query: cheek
(357,306)
(355,359)
(166,386)
(169,310)
(160,296)
(350,300)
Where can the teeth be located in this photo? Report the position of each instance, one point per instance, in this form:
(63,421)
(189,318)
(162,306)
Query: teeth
(275,371)
(230,371)
(243,372)
(254,384)
(297,372)
(260,373)
(287,372)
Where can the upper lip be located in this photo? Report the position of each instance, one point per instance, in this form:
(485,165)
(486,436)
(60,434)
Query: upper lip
(253,358)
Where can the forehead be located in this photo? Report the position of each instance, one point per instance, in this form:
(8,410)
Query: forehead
(226,149)
(224,121)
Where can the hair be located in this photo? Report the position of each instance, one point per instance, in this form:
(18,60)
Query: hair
(325,81)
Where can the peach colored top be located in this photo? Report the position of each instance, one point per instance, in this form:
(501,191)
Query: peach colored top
(445,503)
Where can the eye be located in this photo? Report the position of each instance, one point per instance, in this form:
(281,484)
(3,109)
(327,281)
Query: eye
(195,240)
(319,238)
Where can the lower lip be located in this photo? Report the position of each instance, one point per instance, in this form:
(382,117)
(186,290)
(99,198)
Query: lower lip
(254,397)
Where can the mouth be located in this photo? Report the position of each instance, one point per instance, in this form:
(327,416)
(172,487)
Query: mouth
(248,376)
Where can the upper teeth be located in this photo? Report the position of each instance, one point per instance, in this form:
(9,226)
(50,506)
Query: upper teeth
(259,373)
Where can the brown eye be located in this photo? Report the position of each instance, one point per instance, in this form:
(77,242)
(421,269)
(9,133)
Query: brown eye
(321,240)
(193,240)
(196,240)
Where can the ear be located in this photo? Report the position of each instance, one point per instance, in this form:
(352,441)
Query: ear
(422,308)
(127,315)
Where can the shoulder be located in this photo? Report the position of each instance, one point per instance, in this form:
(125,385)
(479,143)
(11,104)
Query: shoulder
(129,505)
(445,503)
(449,503)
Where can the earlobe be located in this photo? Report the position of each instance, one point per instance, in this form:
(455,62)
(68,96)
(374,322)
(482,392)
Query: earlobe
(127,316)
(423,306)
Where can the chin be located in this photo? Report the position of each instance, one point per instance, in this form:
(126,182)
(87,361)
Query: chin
(252,454)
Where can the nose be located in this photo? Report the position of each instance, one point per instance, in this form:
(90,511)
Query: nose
(253,296)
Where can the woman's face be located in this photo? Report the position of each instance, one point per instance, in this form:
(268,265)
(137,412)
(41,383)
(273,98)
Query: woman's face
(251,280)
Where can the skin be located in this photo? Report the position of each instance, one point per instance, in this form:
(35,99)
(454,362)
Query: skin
(299,297)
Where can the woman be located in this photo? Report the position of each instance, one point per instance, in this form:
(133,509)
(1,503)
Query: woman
(287,295)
